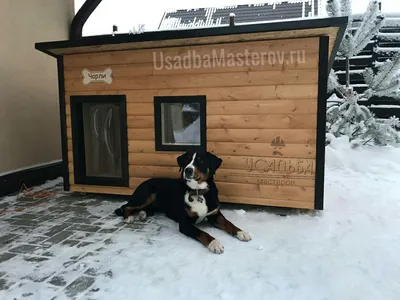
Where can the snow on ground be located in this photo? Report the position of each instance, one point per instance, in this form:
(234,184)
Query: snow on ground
(348,251)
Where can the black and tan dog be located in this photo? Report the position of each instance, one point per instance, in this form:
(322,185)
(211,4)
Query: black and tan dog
(187,200)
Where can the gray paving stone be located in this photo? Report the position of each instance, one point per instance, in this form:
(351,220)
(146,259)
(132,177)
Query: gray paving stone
(70,262)
(36,239)
(5,284)
(57,229)
(70,243)
(26,216)
(86,255)
(7,239)
(24,230)
(55,239)
(108,242)
(37,278)
(109,230)
(88,203)
(98,223)
(35,258)
(84,244)
(79,286)
(27,295)
(28,222)
(84,227)
(78,220)
(91,272)
(24,249)
(58,281)
(4,205)
(79,211)
(6,256)
(46,218)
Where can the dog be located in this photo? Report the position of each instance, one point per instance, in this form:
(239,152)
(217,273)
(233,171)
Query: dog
(187,200)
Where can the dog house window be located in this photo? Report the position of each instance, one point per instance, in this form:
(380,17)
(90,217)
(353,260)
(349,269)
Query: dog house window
(180,123)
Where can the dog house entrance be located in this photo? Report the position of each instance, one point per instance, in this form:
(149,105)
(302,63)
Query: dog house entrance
(99,140)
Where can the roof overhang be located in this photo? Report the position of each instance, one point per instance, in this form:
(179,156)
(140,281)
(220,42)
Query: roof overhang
(332,27)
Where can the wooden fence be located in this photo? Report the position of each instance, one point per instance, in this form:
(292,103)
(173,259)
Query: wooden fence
(381,47)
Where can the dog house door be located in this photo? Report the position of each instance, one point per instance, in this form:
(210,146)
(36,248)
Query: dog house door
(100,144)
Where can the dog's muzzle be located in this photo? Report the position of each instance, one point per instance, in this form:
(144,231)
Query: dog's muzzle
(188,173)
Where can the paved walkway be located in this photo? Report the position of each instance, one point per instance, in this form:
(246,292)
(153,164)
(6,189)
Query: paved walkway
(49,251)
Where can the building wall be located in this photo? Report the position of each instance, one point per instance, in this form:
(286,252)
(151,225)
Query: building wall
(29,111)
(249,105)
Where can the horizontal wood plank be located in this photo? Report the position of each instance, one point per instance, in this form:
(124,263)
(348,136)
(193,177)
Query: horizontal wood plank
(309,45)
(260,107)
(141,134)
(262,122)
(288,193)
(250,107)
(101,189)
(240,149)
(266,191)
(267,202)
(262,150)
(232,93)
(261,78)
(138,122)
(202,66)
(290,136)
(300,35)
(241,122)
(254,166)
(226,175)
(257,107)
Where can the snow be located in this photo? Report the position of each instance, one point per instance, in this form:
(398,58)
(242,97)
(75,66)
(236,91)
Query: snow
(190,135)
(350,250)
(385,106)
(351,72)
(386,49)
(390,36)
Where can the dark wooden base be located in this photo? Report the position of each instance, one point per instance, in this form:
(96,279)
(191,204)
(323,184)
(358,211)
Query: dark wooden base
(12,182)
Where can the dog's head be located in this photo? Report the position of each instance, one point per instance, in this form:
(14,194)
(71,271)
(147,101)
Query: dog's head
(198,166)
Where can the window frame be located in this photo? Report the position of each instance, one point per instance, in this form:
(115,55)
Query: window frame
(78,140)
(158,101)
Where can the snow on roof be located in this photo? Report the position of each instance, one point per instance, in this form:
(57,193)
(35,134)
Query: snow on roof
(246,13)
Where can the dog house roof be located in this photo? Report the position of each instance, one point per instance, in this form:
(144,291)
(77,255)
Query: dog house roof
(333,27)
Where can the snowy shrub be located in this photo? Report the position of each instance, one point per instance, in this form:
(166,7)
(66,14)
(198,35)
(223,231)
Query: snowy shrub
(345,116)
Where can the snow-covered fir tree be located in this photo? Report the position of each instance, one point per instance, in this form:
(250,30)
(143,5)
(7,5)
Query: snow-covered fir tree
(344,115)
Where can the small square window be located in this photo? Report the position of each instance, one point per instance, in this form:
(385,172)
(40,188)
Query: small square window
(180,123)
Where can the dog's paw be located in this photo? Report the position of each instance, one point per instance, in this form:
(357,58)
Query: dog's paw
(216,247)
(243,236)
(129,220)
(142,215)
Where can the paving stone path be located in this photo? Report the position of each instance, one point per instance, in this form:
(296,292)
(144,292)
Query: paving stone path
(49,251)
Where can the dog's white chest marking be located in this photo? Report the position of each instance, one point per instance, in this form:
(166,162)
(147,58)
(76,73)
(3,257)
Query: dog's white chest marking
(197,204)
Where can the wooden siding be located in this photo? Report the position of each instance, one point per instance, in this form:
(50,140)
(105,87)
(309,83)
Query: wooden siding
(247,108)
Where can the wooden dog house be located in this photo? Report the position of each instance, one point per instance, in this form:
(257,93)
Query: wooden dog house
(254,95)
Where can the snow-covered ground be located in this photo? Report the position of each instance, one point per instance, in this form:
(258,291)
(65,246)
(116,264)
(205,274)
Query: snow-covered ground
(349,251)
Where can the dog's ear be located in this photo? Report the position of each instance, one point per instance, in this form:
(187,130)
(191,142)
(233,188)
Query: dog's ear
(214,162)
(182,160)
